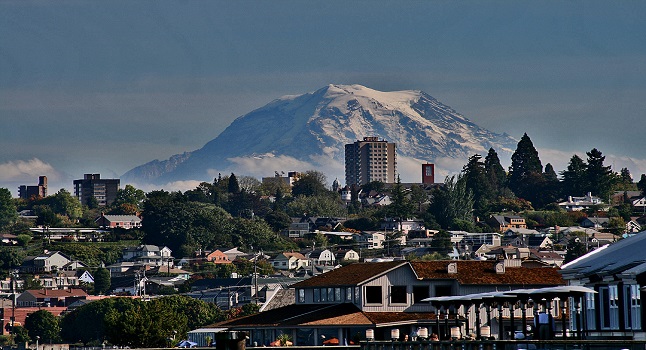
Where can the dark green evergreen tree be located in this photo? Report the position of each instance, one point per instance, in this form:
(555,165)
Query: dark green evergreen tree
(574,178)
(496,174)
(101,281)
(526,171)
(641,185)
(475,178)
(600,178)
(550,189)
(400,206)
(233,185)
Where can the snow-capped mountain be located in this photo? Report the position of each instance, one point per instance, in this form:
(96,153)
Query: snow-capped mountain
(309,131)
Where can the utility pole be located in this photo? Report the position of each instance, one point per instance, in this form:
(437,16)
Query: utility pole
(255,278)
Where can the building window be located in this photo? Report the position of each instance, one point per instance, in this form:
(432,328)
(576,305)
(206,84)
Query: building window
(442,291)
(301,295)
(317,295)
(348,294)
(323,295)
(373,295)
(398,295)
(609,310)
(420,293)
(337,294)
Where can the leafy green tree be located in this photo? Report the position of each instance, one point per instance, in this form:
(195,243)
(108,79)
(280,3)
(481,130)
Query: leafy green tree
(600,178)
(442,242)
(204,193)
(278,220)
(10,258)
(249,184)
(101,281)
(495,172)
(64,203)
(526,169)
(451,202)
(319,205)
(8,209)
(43,324)
(362,224)
(311,183)
(130,197)
(376,186)
(21,335)
(418,197)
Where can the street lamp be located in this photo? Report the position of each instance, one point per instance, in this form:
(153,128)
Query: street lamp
(37,338)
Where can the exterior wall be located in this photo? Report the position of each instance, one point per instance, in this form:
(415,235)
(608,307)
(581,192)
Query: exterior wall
(104,190)
(399,277)
(370,160)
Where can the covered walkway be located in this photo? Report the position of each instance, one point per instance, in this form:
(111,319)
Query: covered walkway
(539,302)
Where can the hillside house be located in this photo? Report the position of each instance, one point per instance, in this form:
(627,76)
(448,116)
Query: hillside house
(46,262)
(369,240)
(503,223)
(126,222)
(289,261)
(45,297)
(580,203)
(218,257)
(321,257)
(148,255)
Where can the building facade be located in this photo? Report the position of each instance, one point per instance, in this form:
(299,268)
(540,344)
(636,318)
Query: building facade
(40,190)
(370,160)
(93,186)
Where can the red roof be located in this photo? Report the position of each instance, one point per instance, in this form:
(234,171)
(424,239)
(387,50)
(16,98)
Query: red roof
(468,272)
(350,275)
(58,293)
(297,315)
(483,272)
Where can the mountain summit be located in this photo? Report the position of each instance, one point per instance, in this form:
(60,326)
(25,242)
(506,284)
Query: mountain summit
(309,131)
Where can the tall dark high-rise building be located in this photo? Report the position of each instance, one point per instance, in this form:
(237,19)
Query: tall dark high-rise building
(370,160)
(40,190)
(93,186)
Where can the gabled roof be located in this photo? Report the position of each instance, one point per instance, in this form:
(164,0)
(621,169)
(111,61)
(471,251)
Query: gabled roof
(483,272)
(57,293)
(300,315)
(350,275)
(120,218)
(289,255)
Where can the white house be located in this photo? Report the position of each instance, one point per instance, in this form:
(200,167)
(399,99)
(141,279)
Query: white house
(370,240)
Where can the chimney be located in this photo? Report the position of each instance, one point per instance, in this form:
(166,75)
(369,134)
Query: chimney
(500,267)
(452,268)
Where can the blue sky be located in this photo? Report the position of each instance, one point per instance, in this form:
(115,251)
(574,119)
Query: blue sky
(103,87)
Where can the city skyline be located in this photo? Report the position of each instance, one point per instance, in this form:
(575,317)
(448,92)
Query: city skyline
(104,87)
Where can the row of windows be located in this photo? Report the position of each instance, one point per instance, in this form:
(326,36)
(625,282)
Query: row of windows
(373,294)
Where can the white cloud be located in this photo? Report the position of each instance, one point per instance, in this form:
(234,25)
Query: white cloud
(26,170)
